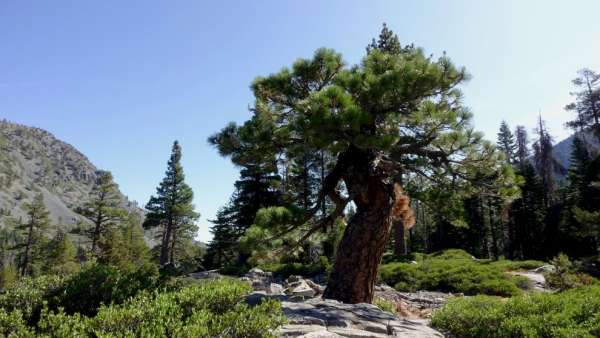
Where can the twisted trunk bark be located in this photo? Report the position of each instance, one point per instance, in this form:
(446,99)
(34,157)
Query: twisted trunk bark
(364,241)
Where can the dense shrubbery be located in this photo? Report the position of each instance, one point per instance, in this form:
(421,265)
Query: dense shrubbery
(99,284)
(115,303)
(284,270)
(573,313)
(28,295)
(456,271)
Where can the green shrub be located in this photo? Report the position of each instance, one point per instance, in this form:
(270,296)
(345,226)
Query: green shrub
(565,275)
(451,254)
(284,270)
(98,284)
(573,313)
(449,274)
(205,309)
(508,265)
(385,305)
(12,324)
(28,296)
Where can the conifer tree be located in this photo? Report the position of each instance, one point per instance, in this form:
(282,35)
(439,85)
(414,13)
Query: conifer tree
(544,161)
(62,255)
(256,188)
(527,217)
(506,142)
(369,117)
(103,209)
(32,231)
(138,252)
(587,102)
(171,209)
(522,152)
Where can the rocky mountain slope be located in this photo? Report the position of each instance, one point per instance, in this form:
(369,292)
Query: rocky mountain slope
(562,150)
(32,160)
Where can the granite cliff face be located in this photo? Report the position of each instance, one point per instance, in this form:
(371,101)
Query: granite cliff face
(32,160)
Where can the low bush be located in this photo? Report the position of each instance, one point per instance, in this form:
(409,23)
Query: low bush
(573,313)
(28,296)
(565,275)
(205,309)
(284,270)
(98,284)
(508,265)
(455,271)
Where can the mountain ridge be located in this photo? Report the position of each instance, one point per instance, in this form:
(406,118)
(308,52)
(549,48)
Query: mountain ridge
(32,161)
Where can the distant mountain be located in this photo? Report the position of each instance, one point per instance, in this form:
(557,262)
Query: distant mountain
(32,160)
(562,150)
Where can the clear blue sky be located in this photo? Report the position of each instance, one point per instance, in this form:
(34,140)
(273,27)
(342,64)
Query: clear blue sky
(120,80)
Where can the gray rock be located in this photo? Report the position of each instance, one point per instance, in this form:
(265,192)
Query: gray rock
(293,330)
(413,329)
(300,289)
(320,334)
(275,289)
(545,269)
(350,320)
(356,333)
(319,289)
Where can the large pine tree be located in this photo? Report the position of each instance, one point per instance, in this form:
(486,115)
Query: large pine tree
(392,106)
(172,210)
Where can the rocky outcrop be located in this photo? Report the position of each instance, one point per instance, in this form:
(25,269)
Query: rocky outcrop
(309,315)
(536,277)
(319,317)
(414,305)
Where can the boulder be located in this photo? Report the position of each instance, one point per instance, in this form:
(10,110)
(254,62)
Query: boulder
(320,334)
(300,289)
(545,269)
(275,289)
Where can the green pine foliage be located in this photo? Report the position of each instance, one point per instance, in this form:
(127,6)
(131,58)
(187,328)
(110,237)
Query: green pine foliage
(506,142)
(587,102)
(104,209)
(172,211)
(62,255)
(32,232)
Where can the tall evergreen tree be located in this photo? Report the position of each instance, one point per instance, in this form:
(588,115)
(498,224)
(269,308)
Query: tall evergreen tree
(522,152)
(256,188)
(544,161)
(587,102)
(527,216)
(506,143)
(103,209)
(38,220)
(171,209)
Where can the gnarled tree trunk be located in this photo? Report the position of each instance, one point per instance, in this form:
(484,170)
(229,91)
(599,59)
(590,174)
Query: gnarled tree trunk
(364,241)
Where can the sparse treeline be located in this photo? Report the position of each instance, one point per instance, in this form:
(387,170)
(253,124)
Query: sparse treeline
(112,235)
